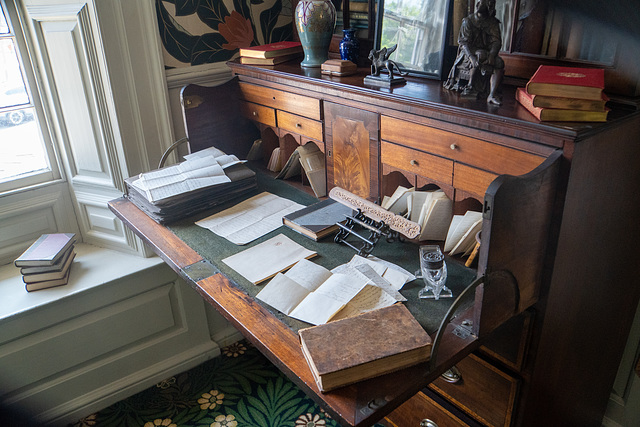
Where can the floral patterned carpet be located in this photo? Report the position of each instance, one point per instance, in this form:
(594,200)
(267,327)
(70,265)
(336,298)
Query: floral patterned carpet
(239,388)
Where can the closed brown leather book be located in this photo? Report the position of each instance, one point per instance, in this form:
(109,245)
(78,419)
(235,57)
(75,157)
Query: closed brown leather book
(365,346)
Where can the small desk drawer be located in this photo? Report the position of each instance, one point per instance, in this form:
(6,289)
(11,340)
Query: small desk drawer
(281,100)
(300,125)
(420,407)
(417,162)
(484,392)
(472,180)
(258,113)
(486,155)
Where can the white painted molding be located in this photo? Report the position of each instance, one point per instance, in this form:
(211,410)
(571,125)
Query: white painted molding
(205,75)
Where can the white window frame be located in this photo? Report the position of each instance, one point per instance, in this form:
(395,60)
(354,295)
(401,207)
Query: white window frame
(106,102)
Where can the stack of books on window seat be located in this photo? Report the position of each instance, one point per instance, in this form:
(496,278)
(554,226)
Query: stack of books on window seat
(271,54)
(204,180)
(47,262)
(565,94)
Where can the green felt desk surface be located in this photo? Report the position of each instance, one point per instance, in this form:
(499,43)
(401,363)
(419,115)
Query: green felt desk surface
(405,254)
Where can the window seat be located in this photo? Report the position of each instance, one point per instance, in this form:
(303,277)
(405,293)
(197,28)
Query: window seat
(121,324)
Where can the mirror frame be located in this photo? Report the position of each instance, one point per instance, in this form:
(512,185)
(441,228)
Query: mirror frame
(445,31)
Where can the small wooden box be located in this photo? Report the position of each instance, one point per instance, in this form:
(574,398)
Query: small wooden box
(338,67)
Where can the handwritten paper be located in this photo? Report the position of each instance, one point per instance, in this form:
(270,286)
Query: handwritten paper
(263,261)
(250,219)
(315,295)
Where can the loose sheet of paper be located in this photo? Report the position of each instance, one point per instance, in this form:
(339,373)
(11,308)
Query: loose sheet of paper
(251,218)
(266,259)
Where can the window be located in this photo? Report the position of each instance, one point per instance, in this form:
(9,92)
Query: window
(25,157)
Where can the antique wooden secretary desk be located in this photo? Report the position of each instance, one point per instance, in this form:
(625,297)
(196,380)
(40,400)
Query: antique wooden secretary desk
(538,338)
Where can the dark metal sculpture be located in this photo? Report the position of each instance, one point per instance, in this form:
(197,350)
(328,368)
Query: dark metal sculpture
(379,61)
(478,70)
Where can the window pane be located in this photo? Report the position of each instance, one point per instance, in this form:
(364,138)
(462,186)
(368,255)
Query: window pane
(4,28)
(21,148)
(22,151)
(12,90)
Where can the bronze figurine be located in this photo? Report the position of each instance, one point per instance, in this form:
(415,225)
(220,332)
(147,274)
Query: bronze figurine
(478,70)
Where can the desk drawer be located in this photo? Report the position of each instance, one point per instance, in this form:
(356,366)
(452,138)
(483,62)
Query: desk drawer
(417,162)
(281,100)
(300,125)
(258,113)
(420,407)
(472,180)
(472,151)
(484,392)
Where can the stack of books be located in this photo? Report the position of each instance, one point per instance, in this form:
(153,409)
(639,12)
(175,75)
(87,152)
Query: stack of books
(47,262)
(565,94)
(270,54)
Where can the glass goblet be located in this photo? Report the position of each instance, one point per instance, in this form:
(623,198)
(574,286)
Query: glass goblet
(433,270)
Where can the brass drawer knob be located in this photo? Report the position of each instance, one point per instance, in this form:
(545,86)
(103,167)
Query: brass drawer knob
(255,113)
(298,125)
(454,146)
(452,376)
(427,423)
(413,163)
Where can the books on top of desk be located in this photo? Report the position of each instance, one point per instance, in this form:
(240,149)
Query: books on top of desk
(205,179)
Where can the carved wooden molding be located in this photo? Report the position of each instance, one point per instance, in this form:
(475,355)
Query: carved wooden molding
(395,222)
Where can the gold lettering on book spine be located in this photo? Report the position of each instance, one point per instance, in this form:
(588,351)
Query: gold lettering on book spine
(395,222)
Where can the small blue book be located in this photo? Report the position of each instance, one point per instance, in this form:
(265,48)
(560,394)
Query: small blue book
(318,220)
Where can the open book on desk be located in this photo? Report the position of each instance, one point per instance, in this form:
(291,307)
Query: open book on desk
(313,294)
(206,179)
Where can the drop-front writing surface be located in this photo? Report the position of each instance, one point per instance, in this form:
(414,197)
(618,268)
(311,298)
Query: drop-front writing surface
(512,131)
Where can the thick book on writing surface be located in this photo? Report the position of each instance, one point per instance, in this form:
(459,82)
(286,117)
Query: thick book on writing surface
(46,250)
(570,82)
(558,114)
(318,220)
(271,50)
(365,346)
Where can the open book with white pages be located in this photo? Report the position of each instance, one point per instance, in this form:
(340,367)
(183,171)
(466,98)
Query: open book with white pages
(316,295)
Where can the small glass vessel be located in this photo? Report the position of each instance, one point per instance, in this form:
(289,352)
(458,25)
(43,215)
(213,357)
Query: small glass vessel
(433,271)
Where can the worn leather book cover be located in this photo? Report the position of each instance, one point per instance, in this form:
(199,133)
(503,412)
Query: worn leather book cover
(371,344)
(559,114)
(570,82)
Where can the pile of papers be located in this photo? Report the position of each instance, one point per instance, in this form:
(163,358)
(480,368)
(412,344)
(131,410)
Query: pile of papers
(205,179)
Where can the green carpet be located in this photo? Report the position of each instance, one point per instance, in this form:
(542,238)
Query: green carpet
(239,388)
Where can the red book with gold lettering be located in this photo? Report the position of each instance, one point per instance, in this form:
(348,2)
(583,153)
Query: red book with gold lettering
(569,82)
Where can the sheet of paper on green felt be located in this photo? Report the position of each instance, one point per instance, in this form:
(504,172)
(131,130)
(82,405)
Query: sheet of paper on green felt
(265,260)
(250,219)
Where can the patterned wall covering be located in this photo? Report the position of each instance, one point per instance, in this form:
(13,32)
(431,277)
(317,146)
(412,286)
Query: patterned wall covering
(196,32)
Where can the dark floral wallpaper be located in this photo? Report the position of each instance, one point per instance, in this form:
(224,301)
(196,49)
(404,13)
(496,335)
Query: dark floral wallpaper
(220,28)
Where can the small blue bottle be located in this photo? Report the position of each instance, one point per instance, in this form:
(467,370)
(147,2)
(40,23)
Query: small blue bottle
(350,46)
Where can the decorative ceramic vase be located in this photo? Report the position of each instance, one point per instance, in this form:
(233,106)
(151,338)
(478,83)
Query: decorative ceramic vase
(350,46)
(315,21)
